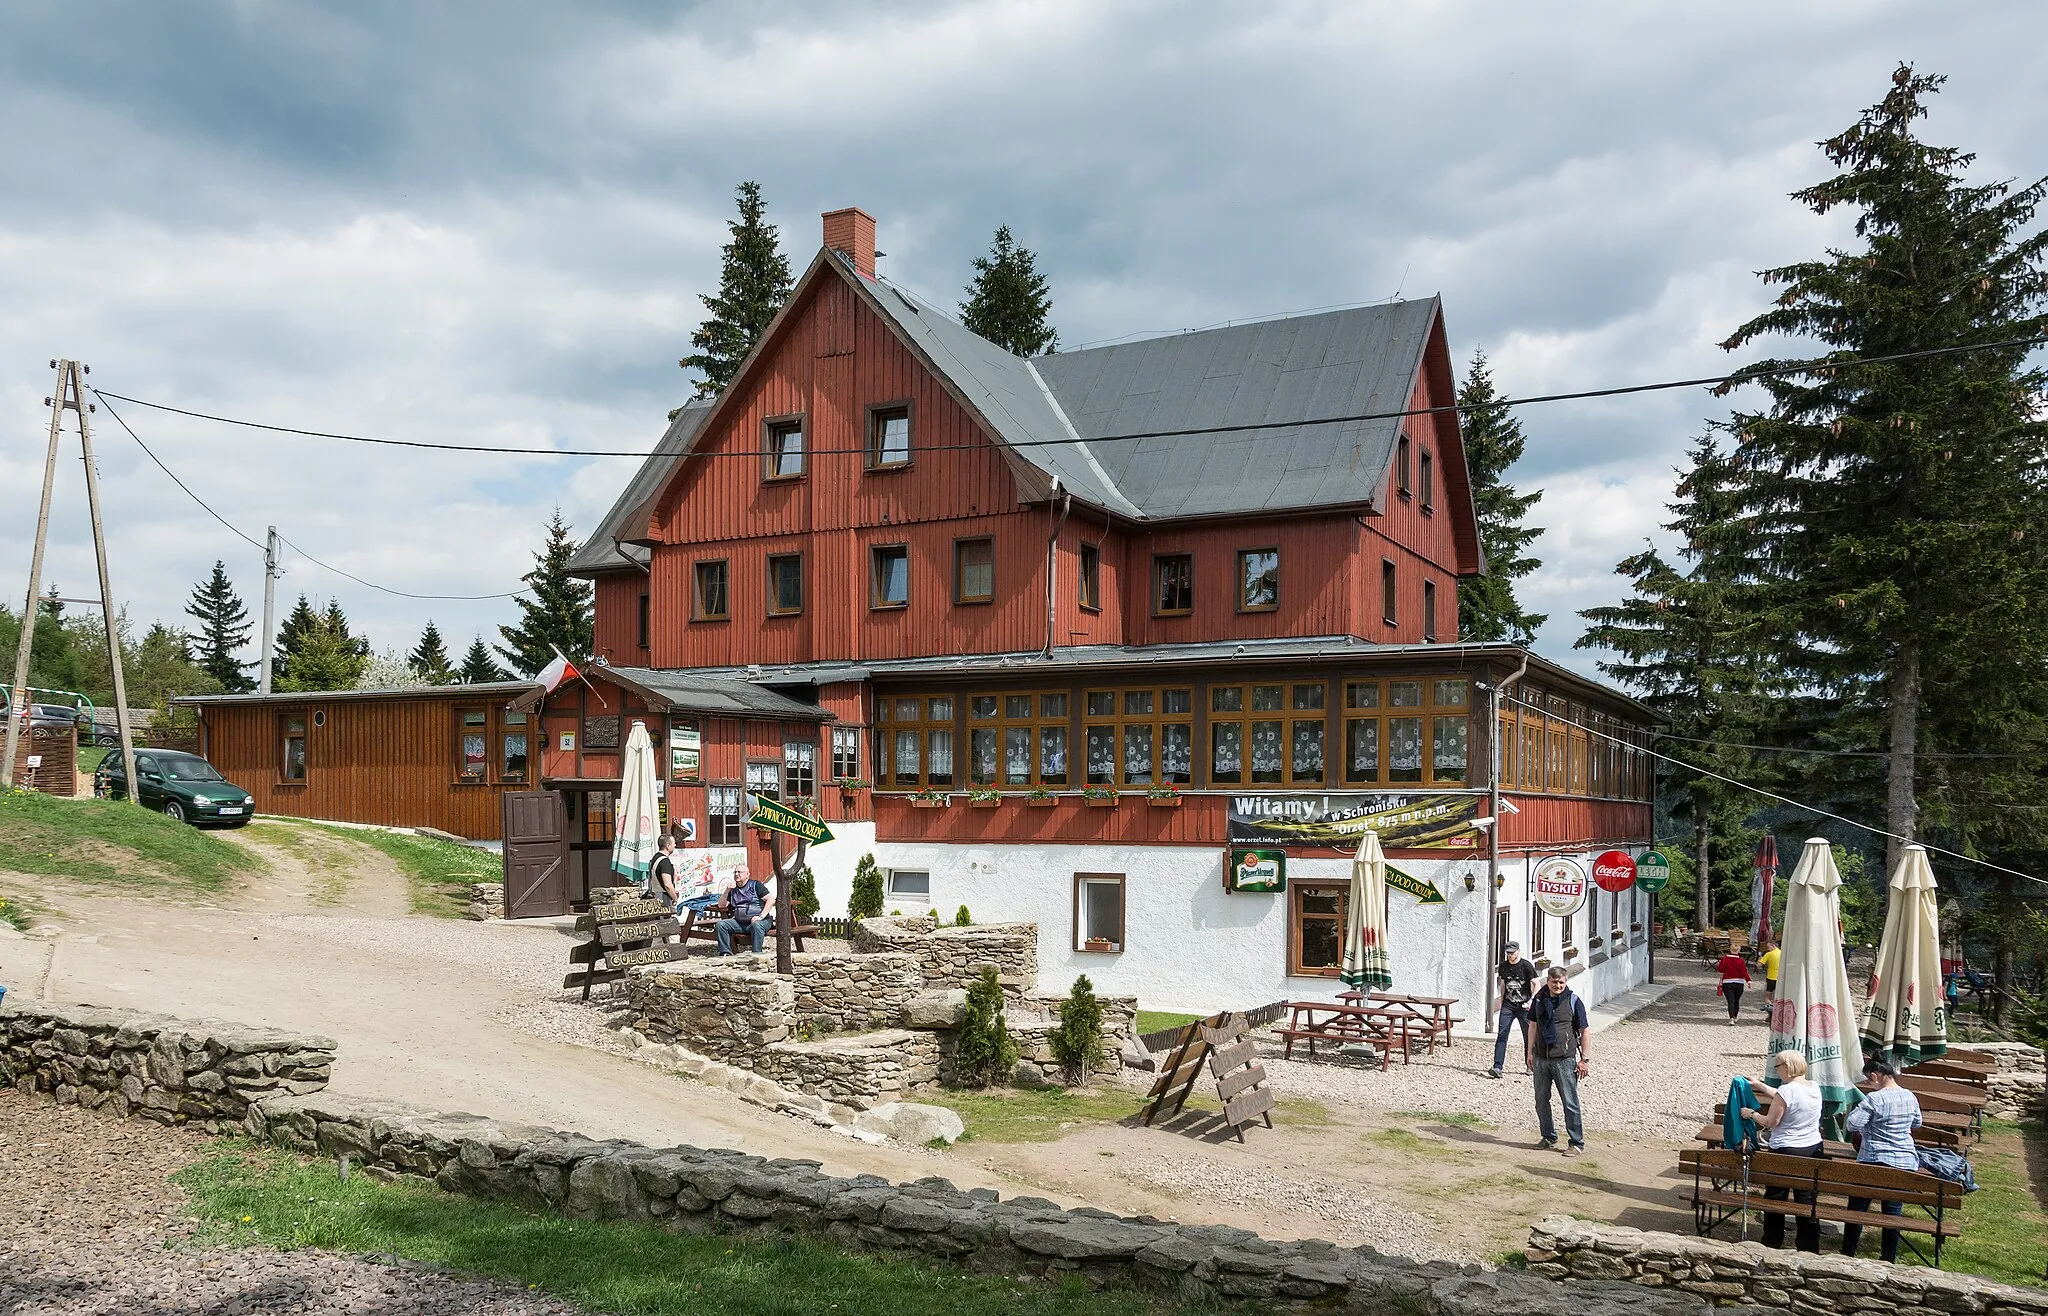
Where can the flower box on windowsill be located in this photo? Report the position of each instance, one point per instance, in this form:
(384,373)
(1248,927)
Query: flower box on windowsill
(1571,953)
(920,802)
(1100,945)
(1100,801)
(1042,801)
(986,803)
(1163,801)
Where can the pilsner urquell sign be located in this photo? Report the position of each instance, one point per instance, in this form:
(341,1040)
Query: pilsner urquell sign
(1339,821)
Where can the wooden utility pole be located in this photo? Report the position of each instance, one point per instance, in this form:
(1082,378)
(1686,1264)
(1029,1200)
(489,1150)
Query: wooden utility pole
(69,396)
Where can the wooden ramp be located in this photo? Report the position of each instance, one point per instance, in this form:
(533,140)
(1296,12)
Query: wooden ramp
(1222,1046)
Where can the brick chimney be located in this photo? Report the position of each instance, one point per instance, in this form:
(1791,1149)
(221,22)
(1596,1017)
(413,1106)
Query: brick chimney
(852,232)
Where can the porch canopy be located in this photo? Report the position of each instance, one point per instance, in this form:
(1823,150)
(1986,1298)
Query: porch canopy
(687,691)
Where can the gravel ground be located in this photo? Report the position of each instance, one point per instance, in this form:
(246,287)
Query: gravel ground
(532,957)
(92,1225)
(1655,1075)
(1348,1212)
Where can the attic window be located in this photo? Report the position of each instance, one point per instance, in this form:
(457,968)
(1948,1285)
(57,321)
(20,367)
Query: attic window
(785,449)
(1173,585)
(888,437)
(1401,466)
(1428,481)
(1258,579)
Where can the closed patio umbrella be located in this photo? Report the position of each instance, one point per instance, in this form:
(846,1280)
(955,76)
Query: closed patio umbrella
(1905,1017)
(636,822)
(1811,1011)
(1763,889)
(1366,967)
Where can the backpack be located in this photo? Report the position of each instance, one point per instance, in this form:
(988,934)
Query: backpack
(1945,1164)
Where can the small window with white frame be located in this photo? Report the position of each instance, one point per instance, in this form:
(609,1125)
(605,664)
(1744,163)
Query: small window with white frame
(910,886)
(1099,912)
(845,753)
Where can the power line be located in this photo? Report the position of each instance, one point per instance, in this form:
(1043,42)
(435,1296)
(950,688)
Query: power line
(1773,795)
(255,543)
(1716,381)
(1840,753)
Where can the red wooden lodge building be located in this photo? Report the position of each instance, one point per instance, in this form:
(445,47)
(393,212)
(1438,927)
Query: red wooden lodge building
(1142,690)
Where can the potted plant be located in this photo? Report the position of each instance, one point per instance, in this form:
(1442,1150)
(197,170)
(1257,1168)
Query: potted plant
(1163,795)
(848,785)
(931,797)
(1040,797)
(1099,797)
(1098,944)
(984,797)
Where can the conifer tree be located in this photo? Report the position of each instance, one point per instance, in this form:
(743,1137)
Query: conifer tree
(478,667)
(1008,302)
(429,658)
(867,898)
(223,629)
(329,658)
(300,622)
(1487,607)
(1901,504)
(984,1052)
(753,284)
(336,623)
(558,615)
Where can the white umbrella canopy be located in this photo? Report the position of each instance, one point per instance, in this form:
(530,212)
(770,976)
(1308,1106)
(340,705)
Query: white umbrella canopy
(636,820)
(1366,966)
(1813,1001)
(1906,1018)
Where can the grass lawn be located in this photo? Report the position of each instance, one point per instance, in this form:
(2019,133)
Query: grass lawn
(113,840)
(259,1196)
(440,871)
(15,913)
(1035,1115)
(2005,1222)
(89,757)
(1152,1021)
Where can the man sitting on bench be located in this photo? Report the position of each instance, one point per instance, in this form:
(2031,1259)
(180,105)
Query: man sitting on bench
(747,904)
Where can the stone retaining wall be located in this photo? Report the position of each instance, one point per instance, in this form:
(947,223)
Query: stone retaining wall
(1748,1274)
(693,1190)
(2020,1086)
(173,1071)
(953,956)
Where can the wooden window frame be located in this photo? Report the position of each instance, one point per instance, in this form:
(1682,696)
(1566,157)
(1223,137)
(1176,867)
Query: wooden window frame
(1390,592)
(1158,720)
(285,717)
(713,826)
(772,429)
(1427,482)
(698,612)
(876,553)
(1243,582)
(1088,578)
(1538,950)
(460,711)
(1403,466)
(794,772)
(1244,716)
(888,726)
(1159,561)
(1297,889)
(643,618)
(1037,723)
(878,413)
(1428,611)
(769,565)
(528,726)
(846,740)
(1384,712)
(961,598)
(747,767)
(1348,714)
(1079,941)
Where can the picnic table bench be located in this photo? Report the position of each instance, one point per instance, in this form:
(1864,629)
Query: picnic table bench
(707,930)
(1726,1183)
(1383,1027)
(1962,1071)
(1433,1011)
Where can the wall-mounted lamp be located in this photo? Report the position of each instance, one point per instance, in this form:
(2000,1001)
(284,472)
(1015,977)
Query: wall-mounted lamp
(1471,881)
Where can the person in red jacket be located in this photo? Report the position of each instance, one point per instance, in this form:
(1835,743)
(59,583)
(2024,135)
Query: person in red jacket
(1734,972)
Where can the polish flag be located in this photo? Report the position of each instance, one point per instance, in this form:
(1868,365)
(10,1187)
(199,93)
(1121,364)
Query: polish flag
(555,673)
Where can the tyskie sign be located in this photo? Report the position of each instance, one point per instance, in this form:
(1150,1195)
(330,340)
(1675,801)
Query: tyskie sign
(1560,887)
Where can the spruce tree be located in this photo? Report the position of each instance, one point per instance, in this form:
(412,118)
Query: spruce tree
(1076,1041)
(335,622)
(983,1050)
(558,616)
(429,658)
(1008,302)
(300,622)
(1487,608)
(478,667)
(867,897)
(223,629)
(753,284)
(1901,504)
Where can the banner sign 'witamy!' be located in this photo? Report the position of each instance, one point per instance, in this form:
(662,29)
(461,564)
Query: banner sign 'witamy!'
(1339,821)
(777,817)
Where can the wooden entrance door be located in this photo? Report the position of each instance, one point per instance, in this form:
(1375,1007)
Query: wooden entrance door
(536,855)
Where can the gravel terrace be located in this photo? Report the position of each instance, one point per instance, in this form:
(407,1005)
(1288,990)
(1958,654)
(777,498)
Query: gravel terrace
(93,1225)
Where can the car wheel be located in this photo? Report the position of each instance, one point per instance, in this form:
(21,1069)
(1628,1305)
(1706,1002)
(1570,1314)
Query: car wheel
(174,811)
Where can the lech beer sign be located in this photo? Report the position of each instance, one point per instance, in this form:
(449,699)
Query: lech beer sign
(1561,887)
(777,817)
(1614,871)
(1257,870)
(1653,870)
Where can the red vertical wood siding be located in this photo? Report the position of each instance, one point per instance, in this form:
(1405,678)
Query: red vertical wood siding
(1553,822)
(616,638)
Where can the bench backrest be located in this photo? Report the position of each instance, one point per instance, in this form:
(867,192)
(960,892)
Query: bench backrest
(1879,1183)
(1766,1169)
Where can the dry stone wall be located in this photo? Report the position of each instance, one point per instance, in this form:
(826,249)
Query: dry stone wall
(173,1071)
(2020,1087)
(1749,1274)
(955,957)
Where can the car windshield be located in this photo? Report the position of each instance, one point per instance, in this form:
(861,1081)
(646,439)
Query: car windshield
(190,770)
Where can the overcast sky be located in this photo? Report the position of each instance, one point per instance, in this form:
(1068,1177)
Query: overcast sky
(491,222)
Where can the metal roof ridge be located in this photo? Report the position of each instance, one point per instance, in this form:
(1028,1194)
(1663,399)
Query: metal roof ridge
(1129,508)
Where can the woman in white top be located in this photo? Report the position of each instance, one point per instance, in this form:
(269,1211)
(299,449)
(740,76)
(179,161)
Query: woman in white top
(1793,1118)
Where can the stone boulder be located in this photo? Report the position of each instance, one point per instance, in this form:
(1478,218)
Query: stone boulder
(939,1009)
(911,1122)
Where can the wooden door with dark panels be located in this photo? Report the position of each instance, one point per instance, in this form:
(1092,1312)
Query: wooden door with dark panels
(536,854)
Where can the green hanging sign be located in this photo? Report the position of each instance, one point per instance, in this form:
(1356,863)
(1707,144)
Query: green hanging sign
(1425,892)
(1256,870)
(1653,870)
(777,817)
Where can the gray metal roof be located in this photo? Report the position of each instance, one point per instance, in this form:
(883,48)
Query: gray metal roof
(627,521)
(717,694)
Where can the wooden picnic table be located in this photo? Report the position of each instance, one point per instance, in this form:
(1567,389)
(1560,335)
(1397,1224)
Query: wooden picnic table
(1383,1027)
(1433,1011)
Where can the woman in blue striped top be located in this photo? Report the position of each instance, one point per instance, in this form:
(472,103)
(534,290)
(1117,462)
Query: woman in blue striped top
(1883,1124)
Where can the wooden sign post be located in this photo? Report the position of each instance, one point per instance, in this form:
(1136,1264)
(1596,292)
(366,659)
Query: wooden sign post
(624,933)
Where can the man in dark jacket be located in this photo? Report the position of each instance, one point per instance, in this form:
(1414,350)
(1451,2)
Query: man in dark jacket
(750,913)
(1558,1056)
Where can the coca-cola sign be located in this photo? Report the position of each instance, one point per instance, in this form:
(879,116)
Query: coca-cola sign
(1560,887)
(1614,871)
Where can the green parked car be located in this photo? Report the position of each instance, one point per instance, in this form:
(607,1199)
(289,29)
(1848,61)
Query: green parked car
(182,787)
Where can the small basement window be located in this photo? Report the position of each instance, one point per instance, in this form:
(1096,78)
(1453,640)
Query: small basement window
(1099,912)
(909,884)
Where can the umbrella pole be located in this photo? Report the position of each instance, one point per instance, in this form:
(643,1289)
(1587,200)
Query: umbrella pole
(1745,1192)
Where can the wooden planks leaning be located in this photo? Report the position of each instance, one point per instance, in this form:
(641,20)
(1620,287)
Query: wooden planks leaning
(1222,1045)
(624,933)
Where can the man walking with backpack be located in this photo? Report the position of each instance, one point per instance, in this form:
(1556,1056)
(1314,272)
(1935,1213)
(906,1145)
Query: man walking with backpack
(1558,1056)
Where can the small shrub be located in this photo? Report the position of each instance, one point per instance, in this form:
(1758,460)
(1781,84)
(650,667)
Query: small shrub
(895,913)
(803,894)
(1076,1040)
(866,901)
(961,919)
(985,1052)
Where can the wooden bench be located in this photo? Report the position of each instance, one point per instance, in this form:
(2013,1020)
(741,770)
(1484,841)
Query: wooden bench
(1381,1027)
(1726,1183)
(692,930)
(1927,1135)
(1960,1071)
